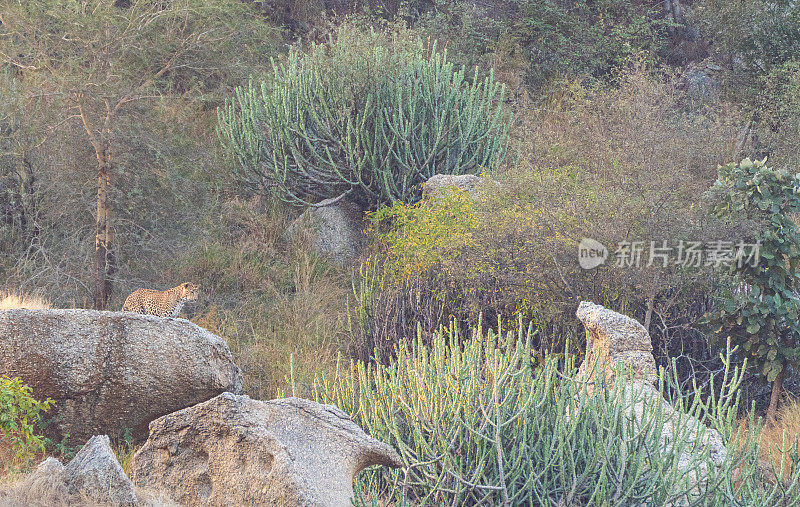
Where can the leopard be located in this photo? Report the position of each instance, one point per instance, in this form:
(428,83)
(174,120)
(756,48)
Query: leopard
(166,303)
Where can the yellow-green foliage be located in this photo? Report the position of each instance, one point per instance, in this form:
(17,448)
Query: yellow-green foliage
(490,250)
(420,236)
(20,412)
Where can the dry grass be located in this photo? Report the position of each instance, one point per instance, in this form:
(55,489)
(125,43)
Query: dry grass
(290,334)
(124,453)
(777,440)
(34,489)
(268,297)
(12,301)
(38,491)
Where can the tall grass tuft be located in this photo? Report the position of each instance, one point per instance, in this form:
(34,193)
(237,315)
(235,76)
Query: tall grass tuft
(476,422)
(12,301)
(779,440)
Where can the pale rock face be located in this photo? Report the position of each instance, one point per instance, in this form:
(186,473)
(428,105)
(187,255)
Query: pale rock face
(93,477)
(611,339)
(465,182)
(233,450)
(336,229)
(95,473)
(614,340)
(110,371)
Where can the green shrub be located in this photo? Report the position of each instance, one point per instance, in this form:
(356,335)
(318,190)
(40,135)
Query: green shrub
(460,256)
(760,310)
(421,236)
(20,412)
(761,34)
(364,114)
(590,39)
(475,423)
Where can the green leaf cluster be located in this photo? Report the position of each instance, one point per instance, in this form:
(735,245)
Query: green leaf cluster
(20,412)
(761,306)
(374,120)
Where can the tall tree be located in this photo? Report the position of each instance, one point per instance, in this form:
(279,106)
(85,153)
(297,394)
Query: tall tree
(100,60)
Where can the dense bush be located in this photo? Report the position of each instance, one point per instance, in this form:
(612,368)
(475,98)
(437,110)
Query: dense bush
(364,114)
(757,44)
(20,413)
(590,39)
(614,165)
(476,423)
(760,34)
(457,255)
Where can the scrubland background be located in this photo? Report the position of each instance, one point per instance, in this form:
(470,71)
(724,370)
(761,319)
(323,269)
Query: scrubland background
(620,112)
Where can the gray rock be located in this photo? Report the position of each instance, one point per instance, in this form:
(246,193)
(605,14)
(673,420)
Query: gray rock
(95,474)
(109,371)
(464,182)
(613,341)
(335,229)
(233,450)
(93,477)
(702,82)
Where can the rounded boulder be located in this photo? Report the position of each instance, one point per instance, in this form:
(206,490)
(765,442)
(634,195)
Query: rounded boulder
(112,372)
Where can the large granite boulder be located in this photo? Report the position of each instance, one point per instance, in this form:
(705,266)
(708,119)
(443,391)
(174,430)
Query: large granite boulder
(334,229)
(112,371)
(617,344)
(92,477)
(233,450)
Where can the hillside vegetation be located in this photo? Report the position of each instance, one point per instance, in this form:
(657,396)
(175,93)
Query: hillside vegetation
(147,144)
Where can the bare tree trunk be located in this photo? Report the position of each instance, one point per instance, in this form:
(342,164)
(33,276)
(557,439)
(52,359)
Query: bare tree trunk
(30,209)
(677,12)
(651,299)
(103,254)
(672,9)
(777,391)
(103,238)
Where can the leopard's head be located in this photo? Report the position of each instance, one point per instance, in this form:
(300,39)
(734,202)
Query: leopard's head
(190,291)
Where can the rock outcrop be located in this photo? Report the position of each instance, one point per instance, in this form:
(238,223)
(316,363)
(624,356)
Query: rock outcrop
(465,182)
(702,81)
(233,450)
(110,371)
(96,474)
(614,339)
(92,477)
(617,343)
(335,228)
